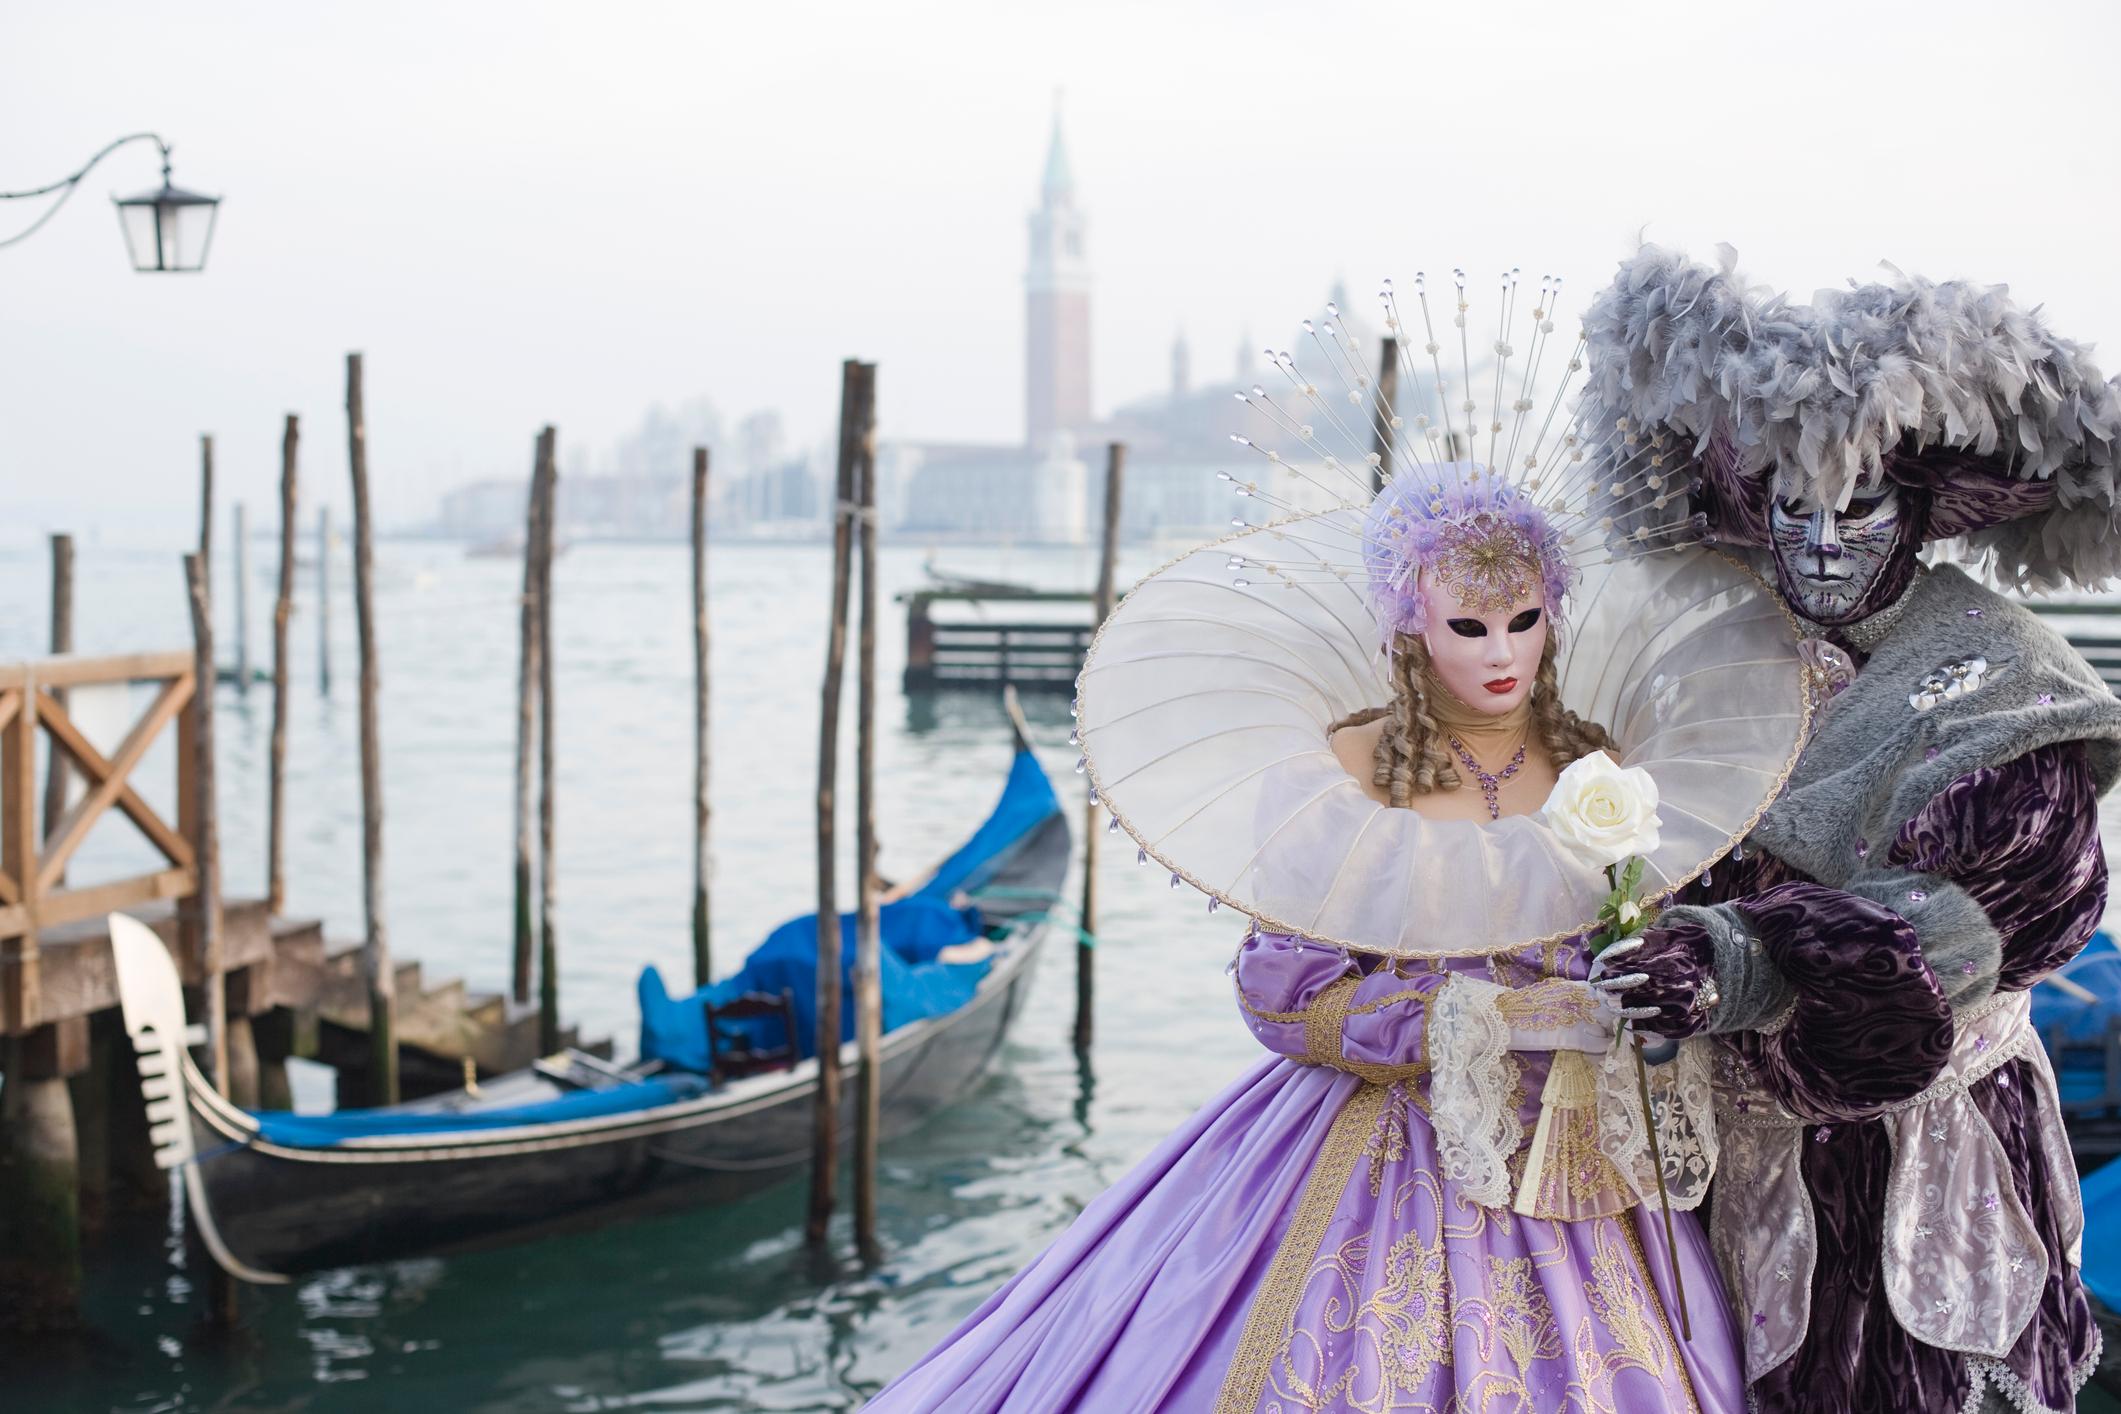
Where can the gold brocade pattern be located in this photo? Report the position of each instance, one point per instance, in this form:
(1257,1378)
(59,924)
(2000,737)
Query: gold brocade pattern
(1268,1318)
(1550,1004)
(1323,1021)
(1388,1139)
(1458,1313)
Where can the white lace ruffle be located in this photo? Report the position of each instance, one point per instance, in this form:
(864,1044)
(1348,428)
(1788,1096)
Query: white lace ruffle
(1683,1098)
(1472,1087)
(2005,1382)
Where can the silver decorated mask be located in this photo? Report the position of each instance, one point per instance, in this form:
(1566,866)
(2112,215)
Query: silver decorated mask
(1836,567)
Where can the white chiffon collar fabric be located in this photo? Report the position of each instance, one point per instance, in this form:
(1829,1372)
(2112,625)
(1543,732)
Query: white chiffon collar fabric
(1204,705)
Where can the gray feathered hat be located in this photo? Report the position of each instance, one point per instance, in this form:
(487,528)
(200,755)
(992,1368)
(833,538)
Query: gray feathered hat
(1950,388)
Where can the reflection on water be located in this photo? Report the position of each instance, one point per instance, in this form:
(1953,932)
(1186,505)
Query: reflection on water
(710,1310)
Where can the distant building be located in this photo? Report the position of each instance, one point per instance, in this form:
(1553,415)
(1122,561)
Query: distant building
(484,510)
(1051,486)
(1056,306)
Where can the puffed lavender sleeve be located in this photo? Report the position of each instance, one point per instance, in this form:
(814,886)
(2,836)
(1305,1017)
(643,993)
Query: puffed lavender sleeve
(1305,1000)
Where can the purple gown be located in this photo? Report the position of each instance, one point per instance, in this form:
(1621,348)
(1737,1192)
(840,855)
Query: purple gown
(1305,1241)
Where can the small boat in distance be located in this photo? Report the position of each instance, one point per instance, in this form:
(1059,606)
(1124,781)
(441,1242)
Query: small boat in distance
(573,1138)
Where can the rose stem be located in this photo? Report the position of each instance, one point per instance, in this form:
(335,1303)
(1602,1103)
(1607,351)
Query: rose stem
(1671,1243)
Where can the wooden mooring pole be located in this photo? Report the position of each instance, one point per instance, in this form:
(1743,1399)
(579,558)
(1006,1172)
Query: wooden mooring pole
(526,723)
(824,1151)
(242,588)
(702,810)
(548,942)
(375,949)
(1387,409)
(324,600)
(55,774)
(206,840)
(219,1289)
(868,994)
(1107,569)
(206,507)
(283,612)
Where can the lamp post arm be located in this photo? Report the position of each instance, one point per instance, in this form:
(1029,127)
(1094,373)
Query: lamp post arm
(66,186)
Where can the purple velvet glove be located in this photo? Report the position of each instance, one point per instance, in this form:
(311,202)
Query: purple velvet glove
(1664,977)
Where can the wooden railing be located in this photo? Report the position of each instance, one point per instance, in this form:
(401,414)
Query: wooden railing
(33,889)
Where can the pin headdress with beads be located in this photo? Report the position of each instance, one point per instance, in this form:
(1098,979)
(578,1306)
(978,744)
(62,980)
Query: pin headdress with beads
(1523,498)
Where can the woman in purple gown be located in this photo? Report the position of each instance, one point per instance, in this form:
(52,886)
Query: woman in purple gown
(1434,1192)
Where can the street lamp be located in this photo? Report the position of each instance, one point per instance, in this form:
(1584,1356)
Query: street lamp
(166,230)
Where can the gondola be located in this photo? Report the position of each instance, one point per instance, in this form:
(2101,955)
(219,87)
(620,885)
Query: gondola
(572,1140)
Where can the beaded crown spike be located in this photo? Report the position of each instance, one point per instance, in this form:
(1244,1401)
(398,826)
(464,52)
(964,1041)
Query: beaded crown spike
(1493,506)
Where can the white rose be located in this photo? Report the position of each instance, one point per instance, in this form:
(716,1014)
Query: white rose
(1602,810)
(1630,913)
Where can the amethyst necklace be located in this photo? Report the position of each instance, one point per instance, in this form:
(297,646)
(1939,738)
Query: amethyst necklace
(1490,781)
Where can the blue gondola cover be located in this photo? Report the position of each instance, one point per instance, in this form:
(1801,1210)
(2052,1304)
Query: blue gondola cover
(913,930)
(323,1131)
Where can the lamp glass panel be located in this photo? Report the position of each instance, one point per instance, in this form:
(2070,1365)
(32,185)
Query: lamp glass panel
(188,228)
(138,222)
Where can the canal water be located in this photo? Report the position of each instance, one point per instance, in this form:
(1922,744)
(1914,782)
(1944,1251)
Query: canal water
(715,1310)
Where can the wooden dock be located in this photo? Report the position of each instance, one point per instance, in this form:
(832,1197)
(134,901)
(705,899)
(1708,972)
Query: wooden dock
(1034,655)
(73,1135)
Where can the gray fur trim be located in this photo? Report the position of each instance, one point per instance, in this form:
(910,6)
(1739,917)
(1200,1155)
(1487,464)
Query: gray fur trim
(1751,990)
(1961,946)
(1814,395)
(1868,767)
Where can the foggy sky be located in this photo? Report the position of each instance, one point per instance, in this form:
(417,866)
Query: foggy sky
(527,213)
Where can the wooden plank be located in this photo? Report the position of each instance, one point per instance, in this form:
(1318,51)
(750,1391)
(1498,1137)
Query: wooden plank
(1107,575)
(57,1050)
(526,942)
(375,951)
(110,777)
(548,942)
(868,994)
(62,643)
(702,808)
(73,670)
(283,611)
(92,900)
(824,1138)
(1387,407)
(206,843)
(18,855)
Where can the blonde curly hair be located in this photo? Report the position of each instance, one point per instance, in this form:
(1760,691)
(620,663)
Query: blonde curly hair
(1412,757)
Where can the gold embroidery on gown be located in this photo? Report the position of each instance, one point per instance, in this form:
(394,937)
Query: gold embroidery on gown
(1378,1348)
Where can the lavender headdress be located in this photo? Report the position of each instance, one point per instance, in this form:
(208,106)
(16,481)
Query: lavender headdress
(1470,530)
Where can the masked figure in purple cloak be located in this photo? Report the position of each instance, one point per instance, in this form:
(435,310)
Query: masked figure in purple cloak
(1896,1214)
(1431,1195)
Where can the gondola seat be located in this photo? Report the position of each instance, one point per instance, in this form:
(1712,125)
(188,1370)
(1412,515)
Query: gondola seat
(750,1056)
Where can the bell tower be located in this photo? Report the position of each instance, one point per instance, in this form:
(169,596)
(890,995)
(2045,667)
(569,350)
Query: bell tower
(1056,306)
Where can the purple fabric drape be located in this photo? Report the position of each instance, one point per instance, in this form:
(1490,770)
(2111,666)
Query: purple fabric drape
(1296,1245)
(2022,839)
